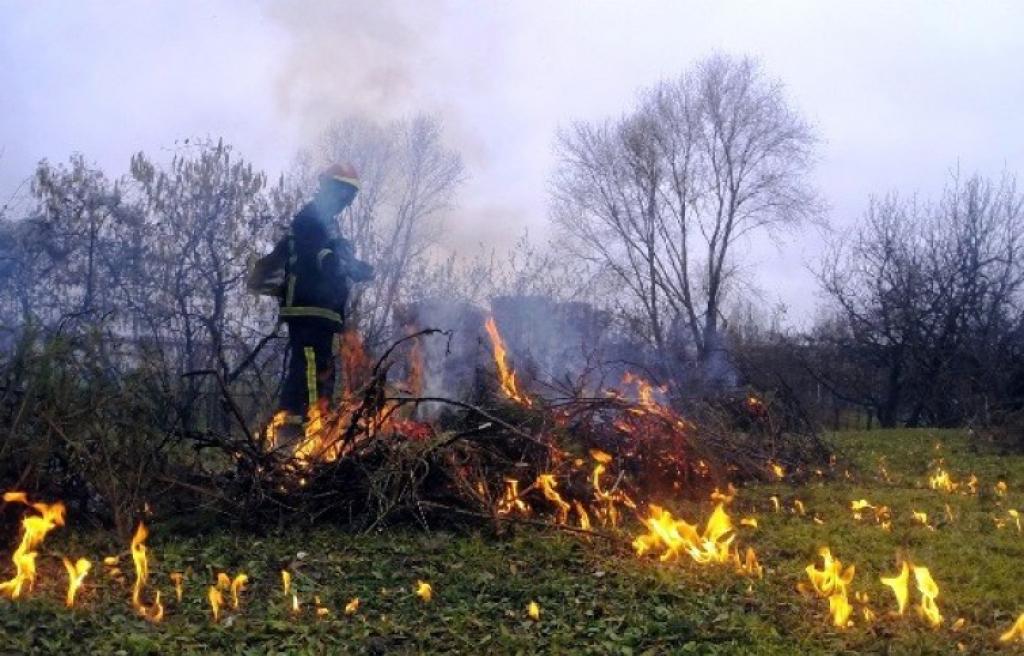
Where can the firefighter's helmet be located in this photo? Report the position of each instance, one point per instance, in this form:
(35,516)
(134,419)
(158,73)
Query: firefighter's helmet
(343,173)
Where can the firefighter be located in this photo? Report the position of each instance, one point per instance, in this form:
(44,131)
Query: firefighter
(311,271)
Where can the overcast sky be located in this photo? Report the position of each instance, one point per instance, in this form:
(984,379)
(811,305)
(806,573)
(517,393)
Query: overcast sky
(900,92)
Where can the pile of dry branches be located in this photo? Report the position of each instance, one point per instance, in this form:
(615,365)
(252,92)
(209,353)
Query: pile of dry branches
(488,460)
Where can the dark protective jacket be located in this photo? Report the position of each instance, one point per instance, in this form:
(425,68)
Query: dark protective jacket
(309,272)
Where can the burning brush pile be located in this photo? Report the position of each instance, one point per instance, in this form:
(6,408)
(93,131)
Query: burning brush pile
(582,459)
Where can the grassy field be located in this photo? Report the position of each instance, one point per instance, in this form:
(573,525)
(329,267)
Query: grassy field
(595,596)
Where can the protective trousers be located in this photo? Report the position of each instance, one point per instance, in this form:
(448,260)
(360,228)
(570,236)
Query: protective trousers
(312,365)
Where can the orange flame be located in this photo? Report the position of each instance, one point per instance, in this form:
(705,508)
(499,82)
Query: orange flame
(177,578)
(34,530)
(352,607)
(510,502)
(506,375)
(547,485)
(76,574)
(138,548)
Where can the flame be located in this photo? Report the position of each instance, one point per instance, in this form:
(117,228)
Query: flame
(1015,632)
(726,497)
(547,485)
(533,611)
(237,585)
(832,581)
(840,608)
(778,470)
(506,375)
(352,606)
(424,591)
(714,545)
(213,594)
(581,512)
(510,502)
(138,548)
(942,481)
(929,592)
(273,428)
(749,564)
(920,517)
(607,500)
(156,612)
(321,610)
(1001,488)
(34,530)
(749,521)
(972,484)
(296,608)
(177,578)
(286,581)
(76,574)
(900,586)
(859,506)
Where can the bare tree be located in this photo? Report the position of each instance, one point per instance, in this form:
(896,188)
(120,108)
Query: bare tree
(926,304)
(659,199)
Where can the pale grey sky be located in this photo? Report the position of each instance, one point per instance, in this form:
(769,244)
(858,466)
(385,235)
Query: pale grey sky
(900,92)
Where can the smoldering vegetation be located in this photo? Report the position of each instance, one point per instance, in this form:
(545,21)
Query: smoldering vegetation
(137,370)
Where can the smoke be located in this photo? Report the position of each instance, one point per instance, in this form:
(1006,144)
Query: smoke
(390,60)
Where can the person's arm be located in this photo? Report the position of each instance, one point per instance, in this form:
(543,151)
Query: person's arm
(267,274)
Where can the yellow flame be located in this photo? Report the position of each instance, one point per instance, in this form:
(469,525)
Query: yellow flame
(424,591)
(900,587)
(832,581)
(286,581)
(929,592)
(352,606)
(1015,632)
(138,548)
(676,536)
(941,480)
(1001,488)
(237,585)
(533,611)
(778,470)
(840,609)
(76,574)
(34,530)
(216,599)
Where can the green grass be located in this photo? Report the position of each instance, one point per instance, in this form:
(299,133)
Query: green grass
(595,596)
